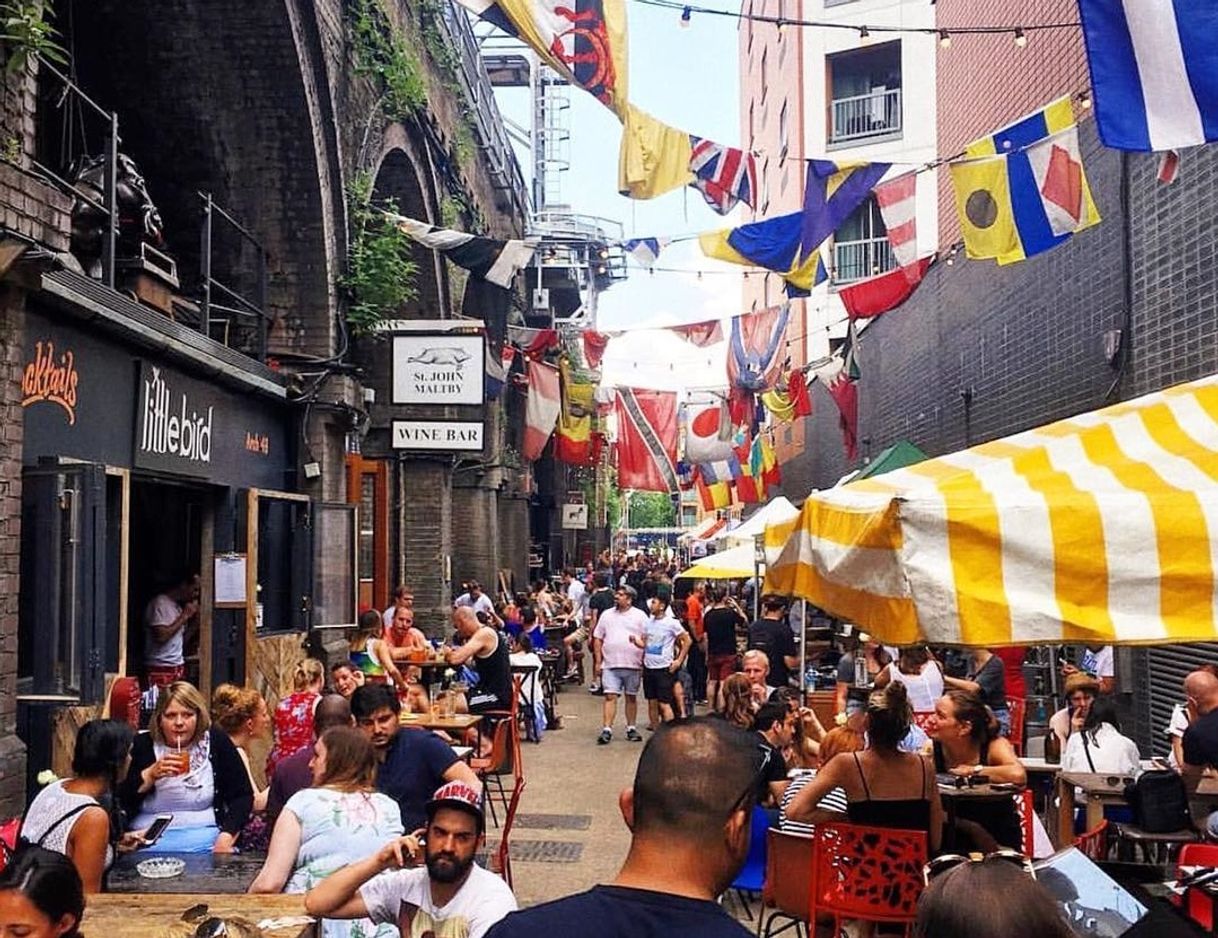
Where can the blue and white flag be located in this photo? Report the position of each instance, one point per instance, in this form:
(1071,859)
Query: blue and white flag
(1154,71)
(645,250)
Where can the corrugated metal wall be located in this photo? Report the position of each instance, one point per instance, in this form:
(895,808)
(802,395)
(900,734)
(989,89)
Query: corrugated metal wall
(1158,678)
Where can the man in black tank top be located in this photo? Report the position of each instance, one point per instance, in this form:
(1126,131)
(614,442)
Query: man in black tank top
(485,650)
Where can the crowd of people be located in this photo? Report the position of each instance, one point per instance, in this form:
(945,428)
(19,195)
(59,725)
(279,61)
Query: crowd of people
(379,823)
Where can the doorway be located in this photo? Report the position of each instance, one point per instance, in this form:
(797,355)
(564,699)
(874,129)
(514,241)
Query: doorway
(166,542)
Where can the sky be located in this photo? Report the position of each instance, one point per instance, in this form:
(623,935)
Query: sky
(686,77)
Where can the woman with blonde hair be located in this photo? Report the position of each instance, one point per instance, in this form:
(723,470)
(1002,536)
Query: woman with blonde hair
(294,713)
(186,767)
(737,694)
(341,819)
(242,713)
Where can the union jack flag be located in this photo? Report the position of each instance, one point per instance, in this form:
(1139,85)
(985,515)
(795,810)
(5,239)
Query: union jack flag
(724,175)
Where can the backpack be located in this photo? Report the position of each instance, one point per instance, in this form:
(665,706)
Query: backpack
(1159,801)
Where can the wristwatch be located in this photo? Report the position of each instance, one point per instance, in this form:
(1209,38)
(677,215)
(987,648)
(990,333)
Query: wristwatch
(978,769)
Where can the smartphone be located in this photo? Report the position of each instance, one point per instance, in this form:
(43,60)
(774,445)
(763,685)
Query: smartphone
(157,828)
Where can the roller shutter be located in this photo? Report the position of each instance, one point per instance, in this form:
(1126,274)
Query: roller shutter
(1160,687)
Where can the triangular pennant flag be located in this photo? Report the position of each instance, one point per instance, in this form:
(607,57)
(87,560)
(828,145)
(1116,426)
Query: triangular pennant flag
(645,250)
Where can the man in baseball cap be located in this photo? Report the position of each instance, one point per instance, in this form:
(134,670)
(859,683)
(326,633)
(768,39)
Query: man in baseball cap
(448,895)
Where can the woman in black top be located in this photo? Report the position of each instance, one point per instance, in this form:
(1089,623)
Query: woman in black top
(884,786)
(986,678)
(966,743)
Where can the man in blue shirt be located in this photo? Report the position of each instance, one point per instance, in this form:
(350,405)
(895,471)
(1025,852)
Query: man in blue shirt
(413,762)
(689,815)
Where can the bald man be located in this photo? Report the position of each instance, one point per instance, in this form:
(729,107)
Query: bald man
(1200,743)
(486,651)
(295,772)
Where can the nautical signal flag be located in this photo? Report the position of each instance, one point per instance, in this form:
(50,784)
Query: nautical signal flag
(542,408)
(1154,71)
(1022,190)
(775,244)
(832,192)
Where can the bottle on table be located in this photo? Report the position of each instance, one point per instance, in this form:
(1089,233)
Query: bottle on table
(1053,748)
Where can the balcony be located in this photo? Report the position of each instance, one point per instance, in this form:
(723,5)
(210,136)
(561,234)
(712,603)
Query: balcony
(862,116)
(857,260)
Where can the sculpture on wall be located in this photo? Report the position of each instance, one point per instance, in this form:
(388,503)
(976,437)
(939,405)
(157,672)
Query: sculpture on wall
(138,218)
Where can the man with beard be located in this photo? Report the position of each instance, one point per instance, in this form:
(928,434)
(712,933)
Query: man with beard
(449,896)
(413,762)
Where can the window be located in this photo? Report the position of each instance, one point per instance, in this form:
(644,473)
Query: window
(765,185)
(752,128)
(860,245)
(865,93)
(782,133)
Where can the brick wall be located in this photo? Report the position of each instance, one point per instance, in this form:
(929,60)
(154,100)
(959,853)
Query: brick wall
(986,81)
(12,751)
(425,537)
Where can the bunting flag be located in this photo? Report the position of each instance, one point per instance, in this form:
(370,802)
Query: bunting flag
(533,343)
(724,175)
(541,409)
(1153,71)
(779,404)
(647,440)
(848,352)
(797,389)
(645,250)
(714,495)
(725,470)
(1022,191)
(753,358)
(574,441)
(497,369)
(844,392)
(898,202)
(877,295)
(653,158)
(490,259)
(833,191)
(594,347)
(700,334)
(583,40)
(775,244)
(708,432)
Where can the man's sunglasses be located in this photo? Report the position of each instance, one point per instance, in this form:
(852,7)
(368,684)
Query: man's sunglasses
(949,861)
(750,790)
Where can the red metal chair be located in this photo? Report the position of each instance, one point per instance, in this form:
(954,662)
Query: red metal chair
(1016,707)
(125,701)
(787,891)
(1094,843)
(501,860)
(1198,907)
(869,873)
(1026,808)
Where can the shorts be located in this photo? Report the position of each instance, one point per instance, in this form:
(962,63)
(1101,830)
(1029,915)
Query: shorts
(482,702)
(579,635)
(621,681)
(657,685)
(720,667)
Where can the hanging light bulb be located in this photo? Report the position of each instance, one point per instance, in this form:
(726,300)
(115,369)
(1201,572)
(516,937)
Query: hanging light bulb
(1020,39)
(945,39)
(864,34)
(780,24)
(699,275)
(604,253)
(1084,100)
(686,15)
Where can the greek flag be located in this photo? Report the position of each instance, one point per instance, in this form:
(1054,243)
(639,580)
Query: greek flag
(1154,71)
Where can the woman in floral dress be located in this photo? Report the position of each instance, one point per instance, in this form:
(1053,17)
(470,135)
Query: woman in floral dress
(294,713)
(340,820)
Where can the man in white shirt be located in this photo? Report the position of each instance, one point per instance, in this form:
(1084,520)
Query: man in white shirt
(473,598)
(1096,660)
(620,660)
(449,896)
(403,598)
(165,619)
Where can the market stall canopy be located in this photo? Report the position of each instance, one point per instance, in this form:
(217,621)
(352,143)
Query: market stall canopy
(705,528)
(1100,528)
(902,453)
(774,511)
(734,564)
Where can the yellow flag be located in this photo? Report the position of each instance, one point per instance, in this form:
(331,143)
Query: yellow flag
(653,157)
(983,202)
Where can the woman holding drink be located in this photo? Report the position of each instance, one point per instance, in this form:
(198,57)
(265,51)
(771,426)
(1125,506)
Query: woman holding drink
(185,767)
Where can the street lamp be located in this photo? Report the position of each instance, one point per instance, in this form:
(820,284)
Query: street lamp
(758,563)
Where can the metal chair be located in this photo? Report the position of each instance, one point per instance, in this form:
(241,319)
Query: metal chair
(501,859)
(1026,808)
(868,873)
(751,878)
(787,891)
(1094,843)
(1198,907)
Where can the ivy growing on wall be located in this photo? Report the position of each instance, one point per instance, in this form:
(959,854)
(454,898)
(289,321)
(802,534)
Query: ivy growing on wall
(27,34)
(382,53)
(380,270)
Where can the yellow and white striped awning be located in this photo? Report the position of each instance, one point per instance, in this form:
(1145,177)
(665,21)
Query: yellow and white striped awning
(1103,527)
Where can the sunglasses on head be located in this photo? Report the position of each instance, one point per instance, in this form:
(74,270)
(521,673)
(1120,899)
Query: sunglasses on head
(949,861)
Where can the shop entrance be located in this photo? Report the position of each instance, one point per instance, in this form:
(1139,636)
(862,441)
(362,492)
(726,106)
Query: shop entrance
(166,527)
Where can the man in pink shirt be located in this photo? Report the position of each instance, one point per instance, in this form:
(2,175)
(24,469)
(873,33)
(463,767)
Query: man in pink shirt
(620,660)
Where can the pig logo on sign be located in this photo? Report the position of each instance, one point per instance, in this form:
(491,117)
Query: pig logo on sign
(441,356)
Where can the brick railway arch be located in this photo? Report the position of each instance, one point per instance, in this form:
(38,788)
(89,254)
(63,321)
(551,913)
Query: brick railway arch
(228,97)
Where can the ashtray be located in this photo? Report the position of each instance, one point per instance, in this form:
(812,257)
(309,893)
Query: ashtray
(160,867)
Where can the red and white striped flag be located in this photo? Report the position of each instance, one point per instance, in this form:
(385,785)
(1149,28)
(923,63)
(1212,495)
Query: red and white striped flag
(541,409)
(898,207)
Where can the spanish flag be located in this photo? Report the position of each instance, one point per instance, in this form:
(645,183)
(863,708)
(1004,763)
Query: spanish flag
(573,439)
(1022,190)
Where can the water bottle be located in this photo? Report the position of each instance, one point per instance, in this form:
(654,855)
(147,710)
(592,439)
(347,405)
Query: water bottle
(861,678)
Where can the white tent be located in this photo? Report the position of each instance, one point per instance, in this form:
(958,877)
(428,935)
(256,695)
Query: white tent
(775,511)
(734,564)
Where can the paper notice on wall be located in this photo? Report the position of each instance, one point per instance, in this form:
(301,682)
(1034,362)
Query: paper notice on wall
(230,579)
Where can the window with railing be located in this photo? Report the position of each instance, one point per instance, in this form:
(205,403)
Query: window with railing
(865,93)
(860,245)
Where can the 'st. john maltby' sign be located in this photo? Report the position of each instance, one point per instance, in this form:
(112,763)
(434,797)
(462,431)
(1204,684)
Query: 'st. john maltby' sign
(438,369)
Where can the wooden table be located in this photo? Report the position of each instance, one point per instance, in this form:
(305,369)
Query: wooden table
(140,915)
(425,721)
(209,873)
(1099,793)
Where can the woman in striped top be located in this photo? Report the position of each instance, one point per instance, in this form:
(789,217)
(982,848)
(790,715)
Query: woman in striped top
(838,739)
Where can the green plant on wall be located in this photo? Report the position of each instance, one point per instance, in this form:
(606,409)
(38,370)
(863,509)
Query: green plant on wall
(382,53)
(28,34)
(380,271)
